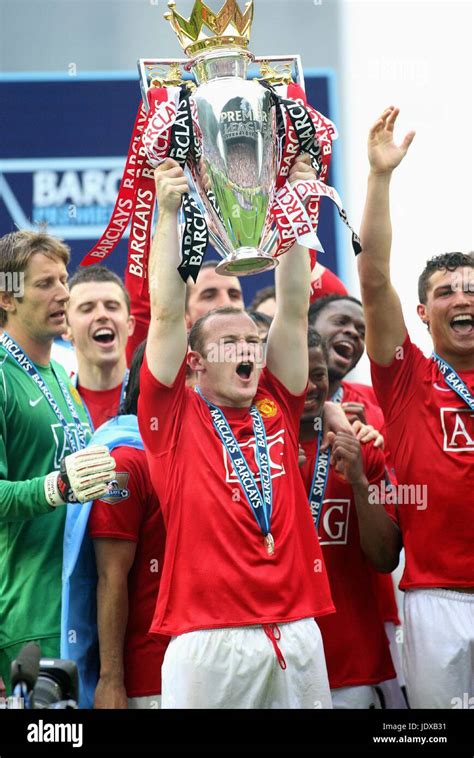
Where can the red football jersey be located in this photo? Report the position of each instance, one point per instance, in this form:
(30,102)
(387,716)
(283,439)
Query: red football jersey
(363,393)
(355,644)
(431,436)
(137,517)
(326,284)
(217,570)
(101,404)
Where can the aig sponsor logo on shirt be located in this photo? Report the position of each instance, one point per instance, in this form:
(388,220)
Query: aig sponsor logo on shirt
(276,444)
(458,430)
(61,442)
(334,522)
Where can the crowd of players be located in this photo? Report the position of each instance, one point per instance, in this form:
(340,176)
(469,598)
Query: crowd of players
(245,502)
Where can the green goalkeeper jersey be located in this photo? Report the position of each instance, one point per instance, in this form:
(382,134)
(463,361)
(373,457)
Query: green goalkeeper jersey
(32,443)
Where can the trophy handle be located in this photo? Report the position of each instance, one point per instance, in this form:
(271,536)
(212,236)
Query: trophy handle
(169,72)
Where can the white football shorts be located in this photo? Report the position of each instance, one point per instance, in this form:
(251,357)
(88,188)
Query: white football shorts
(271,666)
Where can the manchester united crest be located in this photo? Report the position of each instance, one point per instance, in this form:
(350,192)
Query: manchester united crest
(266,407)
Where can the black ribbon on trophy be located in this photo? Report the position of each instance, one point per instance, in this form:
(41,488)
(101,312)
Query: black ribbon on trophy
(184,147)
(304,127)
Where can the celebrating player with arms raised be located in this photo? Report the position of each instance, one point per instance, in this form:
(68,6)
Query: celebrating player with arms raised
(428,406)
(243,577)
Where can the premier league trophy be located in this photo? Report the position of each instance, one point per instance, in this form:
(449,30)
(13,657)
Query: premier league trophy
(237,134)
(237,138)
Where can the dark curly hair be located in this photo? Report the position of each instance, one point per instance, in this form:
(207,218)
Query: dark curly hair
(130,404)
(322,302)
(444,262)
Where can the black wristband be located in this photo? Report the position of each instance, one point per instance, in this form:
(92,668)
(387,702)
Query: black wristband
(64,485)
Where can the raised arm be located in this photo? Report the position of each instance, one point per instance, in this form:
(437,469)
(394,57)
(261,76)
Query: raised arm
(385,326)
(287,351)
(167,340)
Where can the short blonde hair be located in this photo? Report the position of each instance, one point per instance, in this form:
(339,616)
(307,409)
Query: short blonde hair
(17,248)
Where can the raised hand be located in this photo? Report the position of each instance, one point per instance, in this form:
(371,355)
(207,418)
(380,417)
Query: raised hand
(171,185)
(335,420)
(384,154)
(354,411)
(302,170)
(346,457)
(366,433)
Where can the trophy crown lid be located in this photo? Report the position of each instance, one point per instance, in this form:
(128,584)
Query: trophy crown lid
(229,27)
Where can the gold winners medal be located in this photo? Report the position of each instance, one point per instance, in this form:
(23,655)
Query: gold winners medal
(270,544)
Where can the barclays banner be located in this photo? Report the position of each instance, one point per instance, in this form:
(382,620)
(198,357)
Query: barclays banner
(62,154)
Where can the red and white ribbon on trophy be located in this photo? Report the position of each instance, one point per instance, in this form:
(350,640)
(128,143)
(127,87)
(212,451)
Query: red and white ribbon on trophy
(136,196)
(170,129)
(296,207)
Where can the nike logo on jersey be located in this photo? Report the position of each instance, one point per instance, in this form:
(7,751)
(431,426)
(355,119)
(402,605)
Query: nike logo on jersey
(35,402)
(441,389)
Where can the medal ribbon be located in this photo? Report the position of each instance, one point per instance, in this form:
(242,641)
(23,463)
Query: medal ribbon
(321,471)
(338,395)
(454,381)
(260,502)
(319,483)
(123,393)
(16,353)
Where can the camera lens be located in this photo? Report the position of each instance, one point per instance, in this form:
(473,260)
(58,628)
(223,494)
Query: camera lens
(47,691)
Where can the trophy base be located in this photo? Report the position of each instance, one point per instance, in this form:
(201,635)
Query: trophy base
(246,261)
